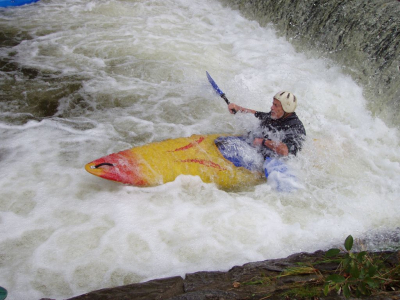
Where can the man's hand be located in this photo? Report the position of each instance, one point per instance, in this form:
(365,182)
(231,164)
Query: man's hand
(257,142)
(278,147)
(233,108)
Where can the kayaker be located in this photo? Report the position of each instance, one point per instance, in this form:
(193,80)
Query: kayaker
(282,132)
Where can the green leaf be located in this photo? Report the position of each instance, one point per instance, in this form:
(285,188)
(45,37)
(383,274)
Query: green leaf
(354,271)
(3,293)
(326,290)
(332,252)
(372,271)
(335,278)
(358,293)
(360,256)
(362,272)
(346,291)
(348,243)
(372,283)
(362,288)
(346,263)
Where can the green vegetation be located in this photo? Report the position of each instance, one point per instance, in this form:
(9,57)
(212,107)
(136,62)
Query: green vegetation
(361,274)
(303,292)
(350,274)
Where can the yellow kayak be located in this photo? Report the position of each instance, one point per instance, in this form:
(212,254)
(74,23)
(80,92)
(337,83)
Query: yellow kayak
(161,162)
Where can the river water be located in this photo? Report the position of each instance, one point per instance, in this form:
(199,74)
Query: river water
(82,79)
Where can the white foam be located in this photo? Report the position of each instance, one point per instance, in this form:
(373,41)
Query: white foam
(65,232)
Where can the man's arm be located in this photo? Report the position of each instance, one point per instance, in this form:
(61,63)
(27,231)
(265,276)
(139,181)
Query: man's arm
(233,108)
(294,138)
(279,147)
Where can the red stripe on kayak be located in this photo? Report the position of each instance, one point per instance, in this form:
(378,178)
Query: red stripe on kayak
(204,162)
(190,145)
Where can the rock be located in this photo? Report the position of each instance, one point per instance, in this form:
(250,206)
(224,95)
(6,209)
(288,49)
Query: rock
(269,279)
(155,289)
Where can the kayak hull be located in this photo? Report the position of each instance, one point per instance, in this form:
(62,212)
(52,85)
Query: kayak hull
(161,162)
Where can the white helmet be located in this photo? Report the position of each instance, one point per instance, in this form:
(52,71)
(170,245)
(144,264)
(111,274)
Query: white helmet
(288,101)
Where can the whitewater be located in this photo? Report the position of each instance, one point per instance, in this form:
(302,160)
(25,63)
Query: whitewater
(82,79)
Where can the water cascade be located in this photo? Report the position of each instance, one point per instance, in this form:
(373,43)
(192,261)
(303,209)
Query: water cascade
(81,79)
(362,36)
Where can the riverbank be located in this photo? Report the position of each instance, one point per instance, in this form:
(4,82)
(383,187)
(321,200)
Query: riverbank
(299,276)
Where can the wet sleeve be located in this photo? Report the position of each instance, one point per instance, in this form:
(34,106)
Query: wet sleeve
(294,139)
(261,115)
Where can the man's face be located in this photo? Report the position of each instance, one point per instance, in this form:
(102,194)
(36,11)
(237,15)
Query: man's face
(276,110)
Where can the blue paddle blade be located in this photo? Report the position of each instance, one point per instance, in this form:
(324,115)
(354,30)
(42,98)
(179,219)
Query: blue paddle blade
(218,90)
(214,85)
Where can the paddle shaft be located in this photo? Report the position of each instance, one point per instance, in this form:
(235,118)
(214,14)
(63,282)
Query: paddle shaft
(228,102)
(226,99)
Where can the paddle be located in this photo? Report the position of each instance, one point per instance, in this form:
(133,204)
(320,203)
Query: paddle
(218,90)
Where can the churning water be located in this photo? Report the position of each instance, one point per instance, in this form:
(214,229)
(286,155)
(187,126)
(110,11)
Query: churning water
(81,79)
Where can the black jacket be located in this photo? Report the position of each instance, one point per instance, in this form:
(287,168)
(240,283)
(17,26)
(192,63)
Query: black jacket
(289,130)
